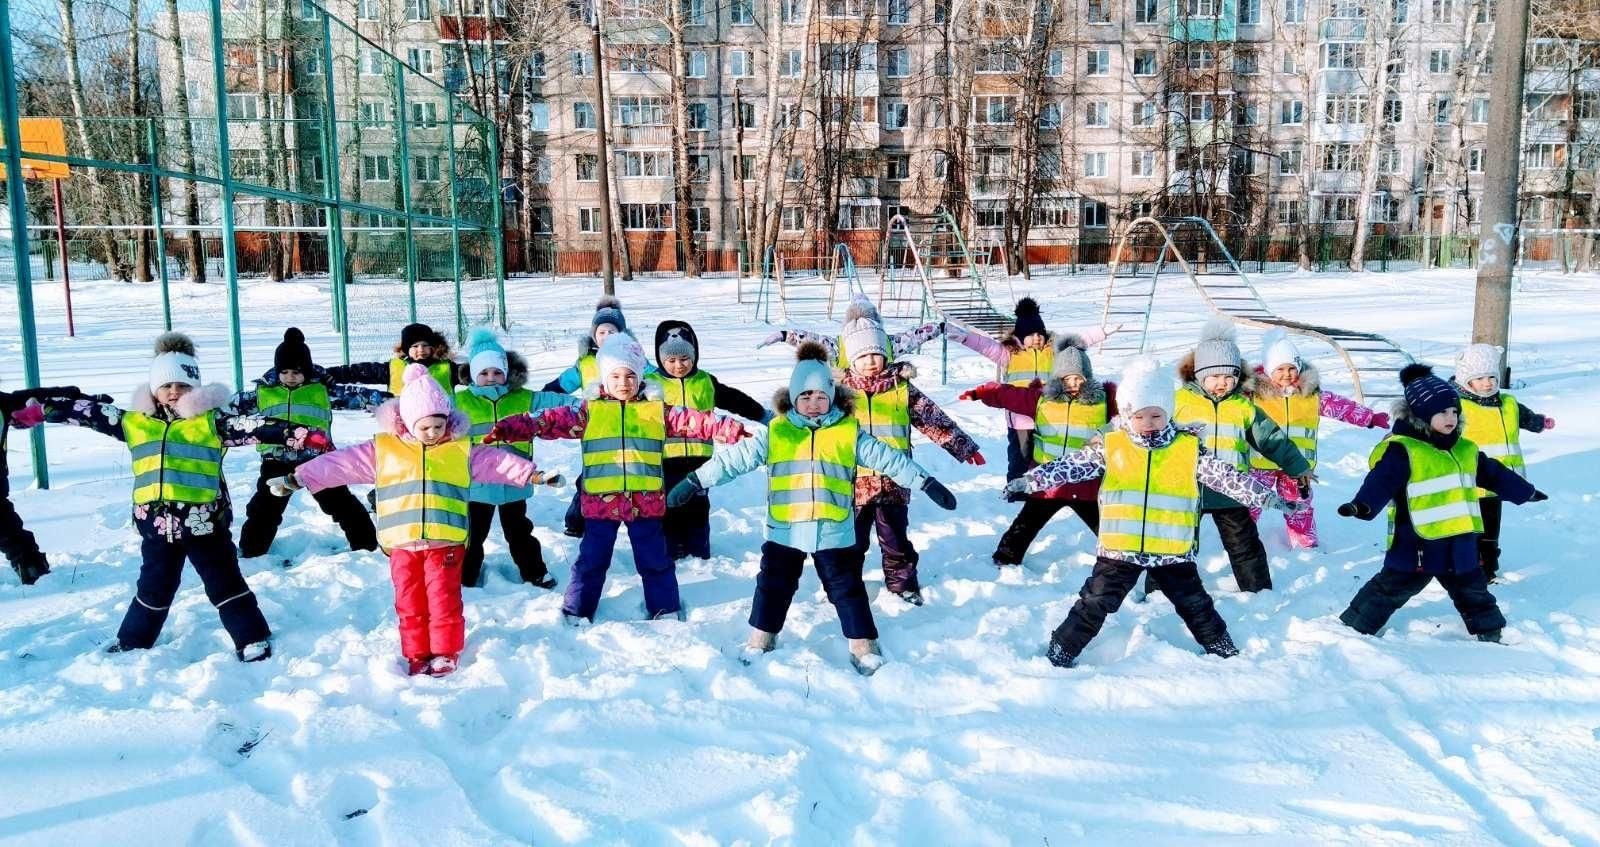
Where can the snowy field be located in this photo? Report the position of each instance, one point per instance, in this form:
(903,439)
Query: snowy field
(652,733)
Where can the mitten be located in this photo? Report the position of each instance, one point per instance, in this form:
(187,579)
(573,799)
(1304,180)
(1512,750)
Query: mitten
(729,431)
(554,480)
(940,495)
(1354,510)
(512,429)
(976,459)
(683,492)
(1549,422)
(1379,421)
(954,331)
(1016,489)
(770,340)
(283,486)
(30,415)
(317,440)
(1538,497)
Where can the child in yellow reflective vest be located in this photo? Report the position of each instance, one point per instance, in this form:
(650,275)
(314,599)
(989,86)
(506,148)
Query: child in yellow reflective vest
(299,391)
(812,449)
(623,427)
(419,344)
(1289,390)
(1152,476)
(1493,420)
(1428,473)
(423,464)
(178,436)
(499,390)
(684,383)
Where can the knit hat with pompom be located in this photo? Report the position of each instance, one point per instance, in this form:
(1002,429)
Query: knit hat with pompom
(421,397)
(175,362)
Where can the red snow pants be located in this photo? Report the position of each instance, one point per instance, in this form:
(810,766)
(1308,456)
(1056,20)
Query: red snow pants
(427,600)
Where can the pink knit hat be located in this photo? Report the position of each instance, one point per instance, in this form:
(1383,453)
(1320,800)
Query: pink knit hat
(421,397)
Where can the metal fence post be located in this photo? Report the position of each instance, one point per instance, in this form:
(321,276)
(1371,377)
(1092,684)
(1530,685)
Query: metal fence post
(403,172)
(156,216)
(497,221)
(17,199)
(333,191)
(230,259)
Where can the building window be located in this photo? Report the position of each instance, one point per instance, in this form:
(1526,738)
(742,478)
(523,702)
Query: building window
(1144,113)
(374,168)
(644,164)
(791,64)
(1093,214)
(650,216)
(796,172)
(997,60)
(538,115)
(641,111)
(1341,158)
(425,168)
(747,115)
(694,12)
(420,58)
(896,114)
(1338,208)
(699,117)
(1098,12)
(695,64)
(1097,61)
(741,63)
(941,164)
(1144,11)
(1439,61)
(586,167)
(419,10)
(1289,161)
(1289,211)
(1441,111)
(1097,113)
(792,11)
(1249,12)
(897,63)
(1343,55)
(1291,112)
(1394,110)
(898,166)
(582,62)
(1094,164)
(1546,155)
(996,109)
(1203,8)
(859,216)
(794,218)
(542,170)
(589,219)
(1144,62)
(1443,11)
(583,115)
(1345,109)
(366,10)
(1475,160)
(1050,115)
(243,107)
(700,167)
(1246,61)
(744,167)
(699,219)
(898,12)
(1055,63)
(1144,163)
(742,12)
(1390,161)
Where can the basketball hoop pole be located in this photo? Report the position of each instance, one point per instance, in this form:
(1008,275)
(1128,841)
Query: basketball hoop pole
(61,239)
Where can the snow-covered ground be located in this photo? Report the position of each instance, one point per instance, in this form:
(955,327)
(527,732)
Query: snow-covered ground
(641,733)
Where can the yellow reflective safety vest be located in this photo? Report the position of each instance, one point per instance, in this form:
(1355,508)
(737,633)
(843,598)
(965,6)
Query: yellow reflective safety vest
(484,413)
(421,490)
(1226,423)
(307,405)
(442,373)
(588,370)
(1300,418)
(1026,365)
(886,416)
(1497,432)
(1442,492)
(174,461)
(696,391)
(1150,499)
(811,473)
(622,445)
(1060,426)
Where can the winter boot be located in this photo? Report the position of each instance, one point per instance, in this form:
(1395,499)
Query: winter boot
(865,656)
(535,573)
(418,665)
(910,595)
(29,572)
(257,651)
(574,621)
(757,645)
(547,582)
(442,666)
(1006,557)
(1059,656)
(1222,647)
(1492,636)
(674,615)
(119,647)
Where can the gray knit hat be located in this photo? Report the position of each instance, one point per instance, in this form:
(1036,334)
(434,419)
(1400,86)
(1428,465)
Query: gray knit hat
(1217,352)
(608,311)
(863,332)
(1072,358)
(676,344)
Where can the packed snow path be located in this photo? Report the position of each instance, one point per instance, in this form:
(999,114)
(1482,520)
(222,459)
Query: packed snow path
(641,733)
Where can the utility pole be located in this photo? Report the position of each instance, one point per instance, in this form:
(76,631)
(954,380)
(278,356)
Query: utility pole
(1497,235)
(602,154)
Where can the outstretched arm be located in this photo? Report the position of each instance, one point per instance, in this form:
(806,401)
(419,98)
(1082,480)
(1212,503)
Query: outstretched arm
(912,340)
(730,399)
(933,422)
(733,462)
(353,465)
(246,430)
(355,397)
(1225,479)
(365,373)
(683,422)
(1341,408)
(103,418)
(1082,465)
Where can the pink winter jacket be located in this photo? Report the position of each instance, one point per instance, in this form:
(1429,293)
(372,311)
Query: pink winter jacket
(1000,352)
(570,421)
(357,464)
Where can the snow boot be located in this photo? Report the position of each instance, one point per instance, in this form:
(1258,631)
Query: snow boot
(547,582)
(1004,556)
(1222,647)
(910,595)
(865,656)
(119,647)
(1059,656)
(574,621)
(416,666)
(442,666)
(757,645)
(674,615)
(256,651)
(1492,636)
(29,572)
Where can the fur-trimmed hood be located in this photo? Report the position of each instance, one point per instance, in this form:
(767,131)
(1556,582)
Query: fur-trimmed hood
(194,404)
(1408,423)
(389,421)
(1247,377)
(1261,384)
(844,400)
(1468,395)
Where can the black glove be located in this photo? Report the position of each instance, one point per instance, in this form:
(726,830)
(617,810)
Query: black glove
(1355,510)
(1538,497)
(683,492)
(939,494)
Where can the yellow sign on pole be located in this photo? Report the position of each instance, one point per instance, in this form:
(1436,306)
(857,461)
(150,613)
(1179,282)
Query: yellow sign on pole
(42,135)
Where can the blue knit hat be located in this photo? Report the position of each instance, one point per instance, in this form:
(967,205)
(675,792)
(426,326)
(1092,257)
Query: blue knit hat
(1427,395)
(608,311)
(811,373)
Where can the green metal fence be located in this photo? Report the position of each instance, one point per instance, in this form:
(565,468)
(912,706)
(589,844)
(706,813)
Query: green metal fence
(246,139)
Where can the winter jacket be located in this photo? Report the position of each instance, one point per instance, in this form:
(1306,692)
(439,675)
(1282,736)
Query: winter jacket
(357,464)
(750,454)
(901,344)
(175,522)
(570,421)
(1000,352)
(926,417)
(725,397)
(1336,407)
(341,396)
(1025,401)
(1527,419)
(570,381)
(379,373)
(516,380)
(1214,475)
(12,402)
(1387,481)
(1264,436)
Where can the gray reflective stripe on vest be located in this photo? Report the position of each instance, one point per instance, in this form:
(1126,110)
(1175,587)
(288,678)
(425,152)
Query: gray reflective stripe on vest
(1168,532)
(675,439)
(1440,484)
(1300,431)
(500,492)
(479,430)
(172,477)
(1051,449)
(177,450)
(798,496)
(1446,512)
(282,411)
(1226,431)
(416,516)
(893,430)
(1497,451)
(1162,502)
(417,486)
(625,469)
(811,466)
(606,445)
